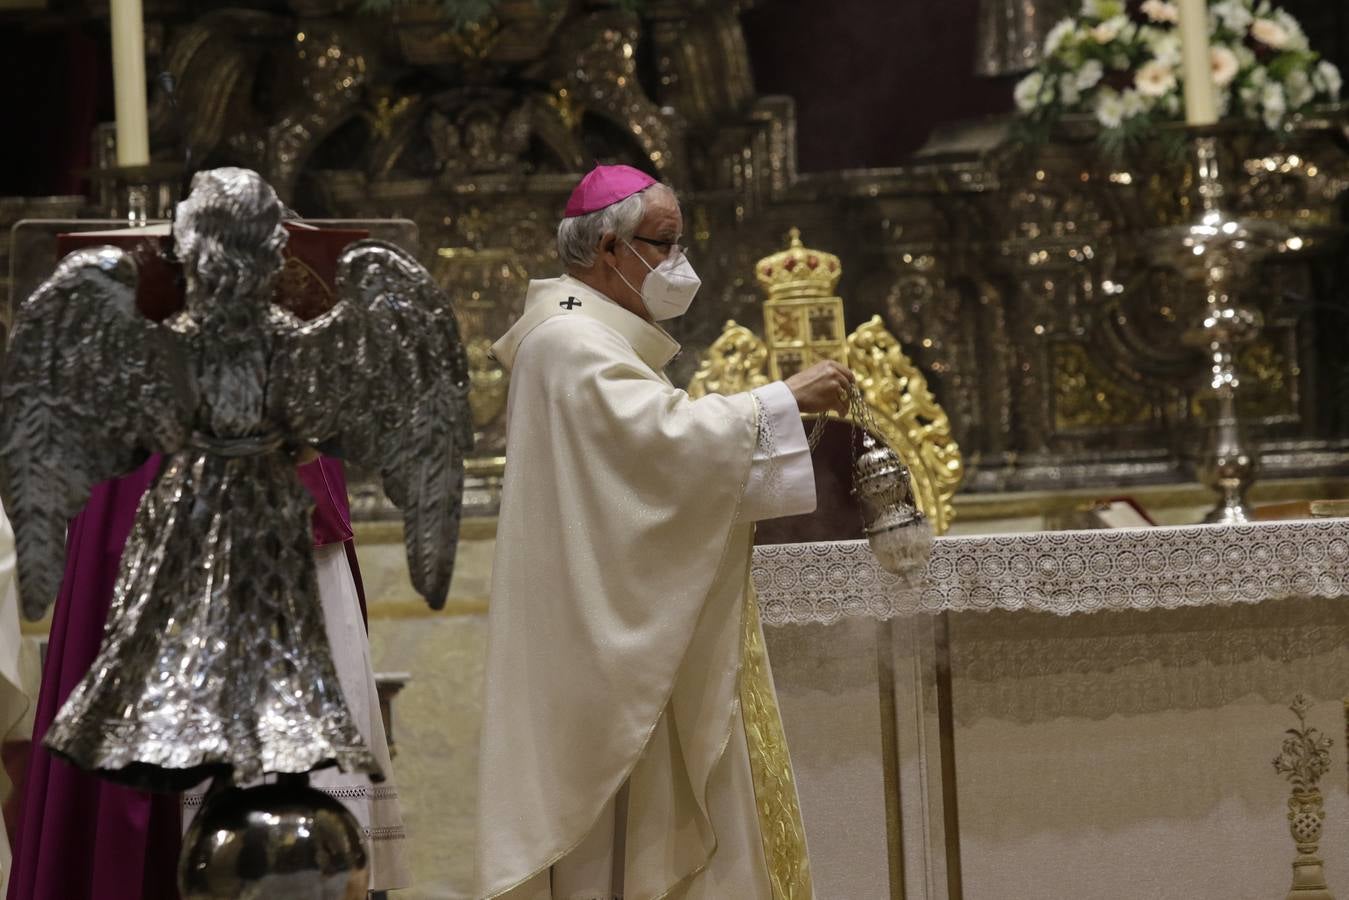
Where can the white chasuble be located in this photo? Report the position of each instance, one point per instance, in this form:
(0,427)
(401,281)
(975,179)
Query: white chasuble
(631,744)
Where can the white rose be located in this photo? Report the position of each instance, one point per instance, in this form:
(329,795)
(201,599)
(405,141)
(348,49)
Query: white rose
(1274,104)
(1233,15)
(1068,92)
(1109,109)
(1108,30)
(1270,33)
(1092,72)
(1330,79)
(1134,104)
(1299,88)
(1224,65)
(1027,91)
(1161,11)
(1297,38)
(1165,46)
(1054,40)
(1153,79)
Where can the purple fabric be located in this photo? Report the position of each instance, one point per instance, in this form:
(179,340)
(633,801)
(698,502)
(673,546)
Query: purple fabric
(328,484)
(81,838)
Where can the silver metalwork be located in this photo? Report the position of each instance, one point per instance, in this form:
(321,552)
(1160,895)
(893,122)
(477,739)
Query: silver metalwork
(277,840)
(137,204)
(1011,33)
(215,660)
(899,534)
(1219,252)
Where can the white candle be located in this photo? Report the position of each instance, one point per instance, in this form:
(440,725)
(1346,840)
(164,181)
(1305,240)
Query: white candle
(1201,99)
(128,82)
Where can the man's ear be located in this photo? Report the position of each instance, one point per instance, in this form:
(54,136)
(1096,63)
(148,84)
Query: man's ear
(609,249)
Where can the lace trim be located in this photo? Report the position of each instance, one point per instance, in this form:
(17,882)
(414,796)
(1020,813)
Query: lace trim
(767,441)
(1061,572)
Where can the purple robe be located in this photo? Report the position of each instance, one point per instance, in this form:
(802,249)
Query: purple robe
(82,838)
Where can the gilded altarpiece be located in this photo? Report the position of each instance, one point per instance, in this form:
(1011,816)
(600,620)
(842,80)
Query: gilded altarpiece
(1019,278)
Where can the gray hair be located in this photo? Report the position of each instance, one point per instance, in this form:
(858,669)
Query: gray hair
(578,237)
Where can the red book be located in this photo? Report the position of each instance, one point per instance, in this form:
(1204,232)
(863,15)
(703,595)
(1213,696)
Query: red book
(305,285)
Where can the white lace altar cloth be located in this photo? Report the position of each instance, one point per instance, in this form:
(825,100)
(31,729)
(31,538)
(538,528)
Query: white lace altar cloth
(1060,572)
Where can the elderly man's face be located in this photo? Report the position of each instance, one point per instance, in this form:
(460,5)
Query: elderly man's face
(657,235)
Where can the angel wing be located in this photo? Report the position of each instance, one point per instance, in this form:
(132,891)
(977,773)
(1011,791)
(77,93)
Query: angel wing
(381,380)
(89,387)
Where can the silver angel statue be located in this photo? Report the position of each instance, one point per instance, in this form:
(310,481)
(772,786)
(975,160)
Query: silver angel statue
(215,659)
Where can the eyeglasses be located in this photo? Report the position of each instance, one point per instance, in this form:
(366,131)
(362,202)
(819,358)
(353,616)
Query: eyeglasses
(667,246)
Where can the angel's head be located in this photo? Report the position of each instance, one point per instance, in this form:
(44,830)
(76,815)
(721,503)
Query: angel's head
(228,234)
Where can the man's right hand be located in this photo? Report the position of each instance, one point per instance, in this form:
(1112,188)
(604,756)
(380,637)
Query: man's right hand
(822,388)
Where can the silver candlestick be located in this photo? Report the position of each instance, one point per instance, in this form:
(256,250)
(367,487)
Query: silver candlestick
(1219,252)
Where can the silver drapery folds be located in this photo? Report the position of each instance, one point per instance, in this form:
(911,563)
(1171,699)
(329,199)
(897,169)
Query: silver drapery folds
(215,660)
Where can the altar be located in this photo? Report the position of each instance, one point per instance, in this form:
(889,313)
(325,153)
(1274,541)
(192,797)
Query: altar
(1087,714)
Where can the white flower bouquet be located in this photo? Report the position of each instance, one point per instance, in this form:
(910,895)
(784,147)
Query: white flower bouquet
(1120,62)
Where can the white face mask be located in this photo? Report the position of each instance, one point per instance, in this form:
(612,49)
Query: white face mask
(669,288)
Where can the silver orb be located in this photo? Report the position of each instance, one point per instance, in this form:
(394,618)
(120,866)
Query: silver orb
(283,841)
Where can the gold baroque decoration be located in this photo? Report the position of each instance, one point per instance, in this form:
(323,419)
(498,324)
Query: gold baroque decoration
(784,836)
(1086,397)
(1267,392)
(906,413)
(909,418)
(737,361)
(487,382)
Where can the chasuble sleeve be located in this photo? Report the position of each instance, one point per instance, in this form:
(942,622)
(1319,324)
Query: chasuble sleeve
(781,476)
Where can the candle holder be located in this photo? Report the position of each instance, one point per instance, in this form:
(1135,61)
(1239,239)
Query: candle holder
(1218,254)
(138,193)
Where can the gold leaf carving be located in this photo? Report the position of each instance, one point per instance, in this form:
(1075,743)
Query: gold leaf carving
(737,361)
(909,418)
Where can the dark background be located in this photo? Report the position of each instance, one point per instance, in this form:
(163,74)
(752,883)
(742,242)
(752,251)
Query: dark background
(870,77)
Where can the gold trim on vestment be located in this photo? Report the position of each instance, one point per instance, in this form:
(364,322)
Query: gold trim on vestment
(784,837)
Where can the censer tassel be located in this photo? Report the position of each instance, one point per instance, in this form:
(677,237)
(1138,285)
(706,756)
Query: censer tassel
(903,549)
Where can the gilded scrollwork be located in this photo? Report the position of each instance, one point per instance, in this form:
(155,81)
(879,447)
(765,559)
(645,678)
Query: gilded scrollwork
(737,361)
(984,259)
(1085,396)
(910,419)
(487,383)
(783,834)
(599,53)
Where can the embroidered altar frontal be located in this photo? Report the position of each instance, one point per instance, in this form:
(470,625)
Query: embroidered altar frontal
(1062,714)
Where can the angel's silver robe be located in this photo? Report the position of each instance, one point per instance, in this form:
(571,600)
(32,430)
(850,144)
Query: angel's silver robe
(215,659)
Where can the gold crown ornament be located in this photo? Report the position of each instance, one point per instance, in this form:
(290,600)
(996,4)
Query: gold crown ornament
(803,318)
(798,272)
